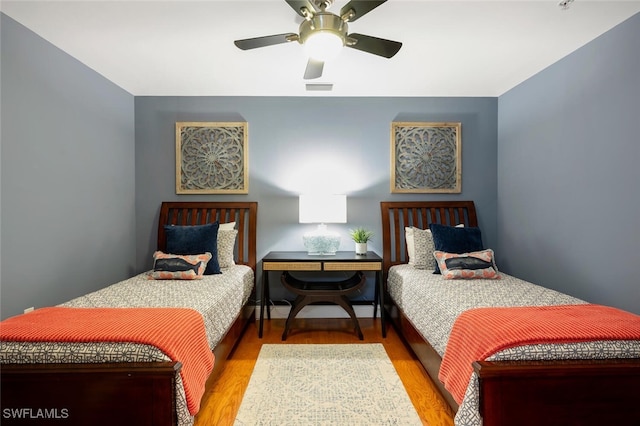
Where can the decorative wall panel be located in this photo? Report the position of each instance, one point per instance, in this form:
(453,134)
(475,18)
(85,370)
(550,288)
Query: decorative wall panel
(426,157)
(211,158)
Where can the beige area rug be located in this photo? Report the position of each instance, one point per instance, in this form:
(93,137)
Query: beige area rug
(342,384)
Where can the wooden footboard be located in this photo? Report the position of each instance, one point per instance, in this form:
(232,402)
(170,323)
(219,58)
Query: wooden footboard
(591,392)
(82,394)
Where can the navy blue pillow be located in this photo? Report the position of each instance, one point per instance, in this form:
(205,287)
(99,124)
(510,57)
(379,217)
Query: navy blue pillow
(451,239)
(196,239)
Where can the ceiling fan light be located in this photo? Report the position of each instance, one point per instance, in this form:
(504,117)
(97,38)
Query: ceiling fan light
(323,45)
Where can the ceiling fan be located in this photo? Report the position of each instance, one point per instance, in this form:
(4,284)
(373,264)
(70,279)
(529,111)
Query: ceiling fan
(323,33)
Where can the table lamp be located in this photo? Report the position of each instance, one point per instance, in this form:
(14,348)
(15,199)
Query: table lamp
(322,209)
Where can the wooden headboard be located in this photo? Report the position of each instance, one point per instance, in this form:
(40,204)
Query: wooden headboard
(396,215)
(245,215)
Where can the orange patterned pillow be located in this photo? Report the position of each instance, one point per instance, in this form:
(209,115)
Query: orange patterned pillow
(179,267)
(474,265)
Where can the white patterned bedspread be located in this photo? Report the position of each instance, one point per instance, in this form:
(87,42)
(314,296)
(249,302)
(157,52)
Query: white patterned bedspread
(219,299)
(432,304)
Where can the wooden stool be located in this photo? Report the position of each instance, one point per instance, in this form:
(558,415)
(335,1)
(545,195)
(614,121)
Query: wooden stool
(322,291)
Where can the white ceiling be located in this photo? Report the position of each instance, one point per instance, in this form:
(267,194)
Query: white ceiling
(185,48)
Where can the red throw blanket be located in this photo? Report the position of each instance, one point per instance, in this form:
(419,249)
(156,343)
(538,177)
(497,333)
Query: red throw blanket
(479,333)
(178,332)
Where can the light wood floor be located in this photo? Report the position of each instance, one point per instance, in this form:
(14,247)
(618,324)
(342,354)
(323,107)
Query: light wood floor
(223,394)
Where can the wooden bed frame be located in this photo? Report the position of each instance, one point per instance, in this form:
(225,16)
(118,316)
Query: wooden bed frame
(585,392)
(128,393)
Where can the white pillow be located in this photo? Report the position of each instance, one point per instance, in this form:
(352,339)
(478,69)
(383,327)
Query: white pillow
(408,239)
(226,226)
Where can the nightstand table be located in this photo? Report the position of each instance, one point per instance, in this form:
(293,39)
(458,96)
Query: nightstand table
(291,261)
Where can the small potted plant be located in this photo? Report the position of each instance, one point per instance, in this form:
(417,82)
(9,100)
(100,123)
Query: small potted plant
(361,237)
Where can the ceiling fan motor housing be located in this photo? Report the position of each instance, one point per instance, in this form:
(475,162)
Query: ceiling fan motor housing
(323,22)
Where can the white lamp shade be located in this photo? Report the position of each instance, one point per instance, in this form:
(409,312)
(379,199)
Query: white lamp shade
(323,208)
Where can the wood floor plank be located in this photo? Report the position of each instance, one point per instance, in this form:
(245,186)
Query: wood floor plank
(223,394)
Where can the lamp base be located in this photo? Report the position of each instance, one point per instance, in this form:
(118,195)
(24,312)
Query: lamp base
(321,242)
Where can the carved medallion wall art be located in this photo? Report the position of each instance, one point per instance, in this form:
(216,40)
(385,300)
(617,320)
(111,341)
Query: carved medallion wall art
(426,157)
(211,158)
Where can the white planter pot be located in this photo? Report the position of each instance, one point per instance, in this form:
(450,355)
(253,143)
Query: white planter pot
(361,248)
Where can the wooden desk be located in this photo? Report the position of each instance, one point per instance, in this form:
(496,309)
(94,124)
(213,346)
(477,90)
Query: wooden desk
(291,261)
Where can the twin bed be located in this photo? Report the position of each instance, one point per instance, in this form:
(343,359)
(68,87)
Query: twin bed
(590,375)
(80,381)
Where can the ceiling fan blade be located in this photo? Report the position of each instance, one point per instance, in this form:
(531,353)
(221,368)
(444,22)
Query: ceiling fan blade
(375,45)
(298,5)
(252,43)
(358,8)
(314,69)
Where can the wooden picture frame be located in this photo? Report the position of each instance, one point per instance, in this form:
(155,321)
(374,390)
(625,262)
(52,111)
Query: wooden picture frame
(426,157)
(212,158)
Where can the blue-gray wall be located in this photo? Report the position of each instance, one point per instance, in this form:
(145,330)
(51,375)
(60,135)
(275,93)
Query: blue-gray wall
(342,144)
(84,167)
(67,185)
(569,172)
